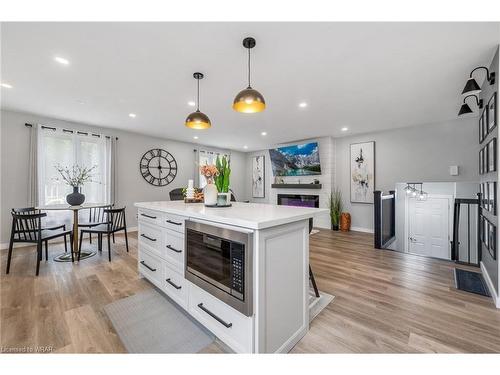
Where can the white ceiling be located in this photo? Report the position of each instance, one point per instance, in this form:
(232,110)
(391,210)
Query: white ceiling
(366,76)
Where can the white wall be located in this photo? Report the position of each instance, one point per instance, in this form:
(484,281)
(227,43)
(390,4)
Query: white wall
(421,154)
(327,158)
(131,187)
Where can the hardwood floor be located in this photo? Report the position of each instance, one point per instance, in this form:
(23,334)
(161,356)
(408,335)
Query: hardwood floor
(384,302)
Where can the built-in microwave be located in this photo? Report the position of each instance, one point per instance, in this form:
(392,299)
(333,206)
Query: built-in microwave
(219,260)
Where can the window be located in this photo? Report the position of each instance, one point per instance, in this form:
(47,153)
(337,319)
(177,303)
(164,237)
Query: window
(207,158)
(67,149)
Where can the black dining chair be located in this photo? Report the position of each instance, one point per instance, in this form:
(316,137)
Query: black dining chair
(96,217)
(176,194)
(33,210)
(28,228)
(115,222)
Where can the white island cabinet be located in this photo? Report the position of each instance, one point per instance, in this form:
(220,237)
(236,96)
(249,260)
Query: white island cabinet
(277,267)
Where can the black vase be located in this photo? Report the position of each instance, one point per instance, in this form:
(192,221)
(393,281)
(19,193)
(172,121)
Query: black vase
(335,227)
(75,198)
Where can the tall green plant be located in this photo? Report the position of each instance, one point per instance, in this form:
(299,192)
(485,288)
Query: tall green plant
(335,205)
(222,179)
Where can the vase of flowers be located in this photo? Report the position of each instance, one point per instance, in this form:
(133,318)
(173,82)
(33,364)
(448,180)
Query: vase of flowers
(222,181)
(210,190)
(76,177)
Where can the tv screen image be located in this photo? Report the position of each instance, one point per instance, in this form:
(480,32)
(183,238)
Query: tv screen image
(296,160)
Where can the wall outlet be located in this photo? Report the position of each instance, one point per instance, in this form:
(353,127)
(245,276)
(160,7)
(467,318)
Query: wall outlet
(454,170)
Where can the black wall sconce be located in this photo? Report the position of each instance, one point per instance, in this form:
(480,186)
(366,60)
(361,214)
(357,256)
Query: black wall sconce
(471,87)
(465,107)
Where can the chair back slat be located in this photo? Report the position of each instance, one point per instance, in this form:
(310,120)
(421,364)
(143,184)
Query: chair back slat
(27,227)
(115,218)
(97,214)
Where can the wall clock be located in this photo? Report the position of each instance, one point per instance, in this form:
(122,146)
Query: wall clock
(158,167)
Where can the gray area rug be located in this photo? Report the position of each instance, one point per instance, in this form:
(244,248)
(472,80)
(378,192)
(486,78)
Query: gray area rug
(149,322)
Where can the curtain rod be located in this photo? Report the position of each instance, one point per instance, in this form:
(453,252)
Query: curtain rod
(69,131)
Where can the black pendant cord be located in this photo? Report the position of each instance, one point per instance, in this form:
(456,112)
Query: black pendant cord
(249,86)
(198,100)
(479,102)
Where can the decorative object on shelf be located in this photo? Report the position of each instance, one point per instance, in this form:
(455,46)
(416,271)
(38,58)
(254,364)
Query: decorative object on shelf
(296,160)
(362,160)
(335,206)
(158,167)
(464,109)
(492,110)
(471,87)
(249,100)
(222,181)
(316,181)
(345,222)
(76,177)
(198,120)
(210,190)
(258,176)
(491,165)
(415,190)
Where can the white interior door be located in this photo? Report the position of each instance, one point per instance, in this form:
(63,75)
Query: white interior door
(429,227)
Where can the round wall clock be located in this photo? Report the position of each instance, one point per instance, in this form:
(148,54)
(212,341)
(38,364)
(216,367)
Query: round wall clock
(158,167)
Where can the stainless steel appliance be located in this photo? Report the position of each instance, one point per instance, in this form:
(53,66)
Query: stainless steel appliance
(219,261)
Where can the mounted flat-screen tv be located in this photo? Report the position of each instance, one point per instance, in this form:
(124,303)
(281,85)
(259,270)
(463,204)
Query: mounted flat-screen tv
(296,160)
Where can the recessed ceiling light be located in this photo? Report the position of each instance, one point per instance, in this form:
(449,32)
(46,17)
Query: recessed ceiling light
(191,103)
(61,60)
(263,133)
(133,115)
(195,137)
(245,147)
(6,85)
(303,105)
(344,129)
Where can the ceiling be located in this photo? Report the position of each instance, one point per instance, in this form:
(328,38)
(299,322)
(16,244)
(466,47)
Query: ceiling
(364,76)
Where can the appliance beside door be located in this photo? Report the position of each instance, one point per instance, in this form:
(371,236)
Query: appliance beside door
(429,227)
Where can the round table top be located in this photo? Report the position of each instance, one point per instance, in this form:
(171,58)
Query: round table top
(72,208)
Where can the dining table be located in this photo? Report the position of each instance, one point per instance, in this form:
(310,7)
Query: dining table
(66,257)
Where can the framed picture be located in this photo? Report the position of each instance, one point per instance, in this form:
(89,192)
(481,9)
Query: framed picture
(481,190)
(362,160)
(481,126)
(486,196)
(258,176)
(481,161)
(492,111)
(492,193)
(492,235)
(492,155)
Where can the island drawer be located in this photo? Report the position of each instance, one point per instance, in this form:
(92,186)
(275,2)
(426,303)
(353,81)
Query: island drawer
(151,217)
(175,286)
(230,326)
(174,222)
(173,248)
(152,237)
(151,267)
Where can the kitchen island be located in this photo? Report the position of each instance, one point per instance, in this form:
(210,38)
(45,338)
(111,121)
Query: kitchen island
(241,271)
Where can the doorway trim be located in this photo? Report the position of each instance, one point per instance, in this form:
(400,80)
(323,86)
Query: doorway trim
(450,199)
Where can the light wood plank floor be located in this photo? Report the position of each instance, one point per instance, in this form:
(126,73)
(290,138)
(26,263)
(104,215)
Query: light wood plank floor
(385,302)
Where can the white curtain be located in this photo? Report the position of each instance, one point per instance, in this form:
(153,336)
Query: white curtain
(206,157)
(33,167)
(68,148)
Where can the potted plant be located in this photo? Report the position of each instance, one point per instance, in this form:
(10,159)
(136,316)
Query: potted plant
(335,206)
(210,190)
(76,177)
(222,181)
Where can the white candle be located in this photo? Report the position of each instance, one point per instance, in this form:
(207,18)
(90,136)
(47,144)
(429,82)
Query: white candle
(190,184)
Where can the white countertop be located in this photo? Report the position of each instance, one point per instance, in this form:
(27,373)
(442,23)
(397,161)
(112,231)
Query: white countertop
(245,215)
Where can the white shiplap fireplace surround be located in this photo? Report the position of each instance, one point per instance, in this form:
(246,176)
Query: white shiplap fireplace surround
(327,159)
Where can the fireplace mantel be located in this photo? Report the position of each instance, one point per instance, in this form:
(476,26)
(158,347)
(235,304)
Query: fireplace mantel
(296,186)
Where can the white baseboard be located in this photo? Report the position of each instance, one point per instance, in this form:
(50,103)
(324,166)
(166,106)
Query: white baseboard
(360,229)
(491,287)
(5,245)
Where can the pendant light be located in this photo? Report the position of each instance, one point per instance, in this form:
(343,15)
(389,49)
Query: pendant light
(249,100)
(198,120)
